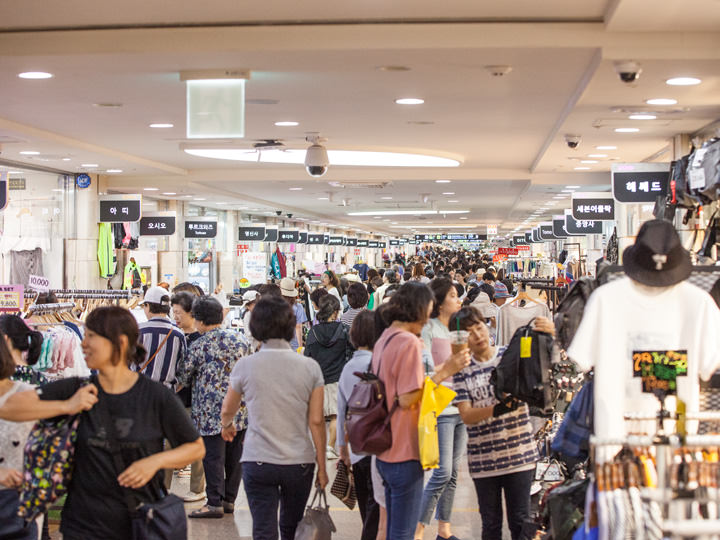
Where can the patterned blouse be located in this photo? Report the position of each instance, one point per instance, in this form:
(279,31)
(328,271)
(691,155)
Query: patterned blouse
(206,369)
(29,375)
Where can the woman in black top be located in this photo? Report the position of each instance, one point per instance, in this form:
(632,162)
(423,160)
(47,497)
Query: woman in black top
(144,413)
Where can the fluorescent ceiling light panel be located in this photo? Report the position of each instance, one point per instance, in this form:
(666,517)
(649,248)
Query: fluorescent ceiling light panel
(642,117)
(161,126)
(627,130)
(661,101)
(215,108)
(350,158)
(407,212)
(683,81)
(35,75)
(439,227)
(409,101)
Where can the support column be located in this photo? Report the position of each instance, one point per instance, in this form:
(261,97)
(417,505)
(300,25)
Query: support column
(81,265)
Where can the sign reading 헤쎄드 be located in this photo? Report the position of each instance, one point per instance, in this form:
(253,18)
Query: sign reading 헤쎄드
(12,298)
(158,224)
(38,283)
(251,233)
(639,182)
(200,229)
(120,208)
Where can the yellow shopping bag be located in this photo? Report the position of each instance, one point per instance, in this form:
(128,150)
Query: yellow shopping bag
(434,400)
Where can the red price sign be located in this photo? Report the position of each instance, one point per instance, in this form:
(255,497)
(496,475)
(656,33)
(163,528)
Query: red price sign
(242,248)
(498,258)
(507,251)
(523,248)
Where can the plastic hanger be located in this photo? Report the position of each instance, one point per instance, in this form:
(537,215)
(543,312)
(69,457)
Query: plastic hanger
(523,295)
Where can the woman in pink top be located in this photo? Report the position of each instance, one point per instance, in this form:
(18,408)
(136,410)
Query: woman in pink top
(397,360)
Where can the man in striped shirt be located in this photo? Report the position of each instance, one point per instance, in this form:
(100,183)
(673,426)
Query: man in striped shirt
(163,340)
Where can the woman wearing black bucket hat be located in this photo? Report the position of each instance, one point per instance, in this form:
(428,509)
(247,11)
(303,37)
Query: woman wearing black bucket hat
(649,331)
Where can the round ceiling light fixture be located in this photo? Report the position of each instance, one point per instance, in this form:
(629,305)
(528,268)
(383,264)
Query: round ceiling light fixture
(683,81)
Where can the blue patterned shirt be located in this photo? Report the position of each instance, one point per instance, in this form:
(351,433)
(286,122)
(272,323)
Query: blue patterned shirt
(206,369)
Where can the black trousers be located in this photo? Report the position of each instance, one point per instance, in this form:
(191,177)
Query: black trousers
(223,470)
(369,508)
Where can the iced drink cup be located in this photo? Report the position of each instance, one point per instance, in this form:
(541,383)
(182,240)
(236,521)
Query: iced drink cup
(458,341)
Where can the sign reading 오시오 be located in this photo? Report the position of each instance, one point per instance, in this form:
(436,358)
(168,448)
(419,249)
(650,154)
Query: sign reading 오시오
(157,225)
(659,370)
(12,298)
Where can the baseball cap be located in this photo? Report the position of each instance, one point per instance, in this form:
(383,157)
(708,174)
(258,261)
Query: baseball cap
(157,295)
(287,287)
(250,296)
(501,291)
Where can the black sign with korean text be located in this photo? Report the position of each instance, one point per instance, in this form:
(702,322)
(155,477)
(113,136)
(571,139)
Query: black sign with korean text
(519,239)
(596,209)
(302,238)
(315,239)
(394,242)
(403,241)
(558,228)
(326,239)
(373,243)
(336,241)
(639,187)
(200,229)
(351,242)
(536,235)
(3,191)
(252,234)
(271,235)
(529,238)
(421,237)
(120,211)
(290,237)
(382,245)
(362,243)
(659,370)
(582,226)
(545,232)
(157,226)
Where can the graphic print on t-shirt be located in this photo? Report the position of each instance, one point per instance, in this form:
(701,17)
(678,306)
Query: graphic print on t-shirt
(659,370)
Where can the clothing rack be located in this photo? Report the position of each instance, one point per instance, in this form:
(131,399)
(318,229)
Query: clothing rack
(37,309)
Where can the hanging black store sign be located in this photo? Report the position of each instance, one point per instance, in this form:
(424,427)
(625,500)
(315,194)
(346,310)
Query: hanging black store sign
(326,239)
(351,242)
(373,243)
(200,229)
(302,238)
(362,243)
(382,245)
(120,209)
(519,239)
(593,206)
(157,225)
(582,226)
(558,227)
(252,234)
(336,241)
(315,239)
(545,232)
(639,182)
(288,236)
(271,234)
(394,242)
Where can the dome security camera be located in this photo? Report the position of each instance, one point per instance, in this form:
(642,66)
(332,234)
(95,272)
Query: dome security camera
(316,160)
(628,71)
(278,212)
(573,141)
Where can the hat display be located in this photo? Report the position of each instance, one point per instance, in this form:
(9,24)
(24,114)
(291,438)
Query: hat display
(157,295)
(250,296)
(657,258)
(501,290)
(287,287)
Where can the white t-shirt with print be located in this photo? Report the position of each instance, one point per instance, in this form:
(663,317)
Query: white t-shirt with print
(624,317)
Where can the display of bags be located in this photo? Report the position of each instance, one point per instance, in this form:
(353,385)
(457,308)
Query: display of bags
(573,437)
(344,486)
(317,523)
(435,398)
(48,464)
(703,172)
(524,371)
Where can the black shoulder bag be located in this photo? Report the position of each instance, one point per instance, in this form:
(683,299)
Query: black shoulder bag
(161,520)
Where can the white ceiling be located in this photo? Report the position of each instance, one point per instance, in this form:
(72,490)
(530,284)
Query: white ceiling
(318,65)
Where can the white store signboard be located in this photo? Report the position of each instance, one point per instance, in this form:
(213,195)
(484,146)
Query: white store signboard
(255,267)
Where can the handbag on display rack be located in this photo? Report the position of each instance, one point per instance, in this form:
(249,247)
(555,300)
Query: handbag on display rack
(317,523)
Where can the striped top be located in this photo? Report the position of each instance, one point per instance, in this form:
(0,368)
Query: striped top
(499,445)
(164,365)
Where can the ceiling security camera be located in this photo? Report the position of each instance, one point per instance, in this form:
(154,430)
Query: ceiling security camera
(316,157)
(628,71)
(573,141)
(289,215)
(278,212)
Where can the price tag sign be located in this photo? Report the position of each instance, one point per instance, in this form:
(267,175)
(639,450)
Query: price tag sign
(659,370)
(157,224)
(39,283)
(200,229)
(12,298)
(251,233)
(507,251)
(120,208)
(639,182)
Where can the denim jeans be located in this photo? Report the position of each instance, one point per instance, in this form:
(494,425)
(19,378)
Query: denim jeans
(440,489)
(369,509)
(268,485)
(403,494)
(223,469)
(517,502)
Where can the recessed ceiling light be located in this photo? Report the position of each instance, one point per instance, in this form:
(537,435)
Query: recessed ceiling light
(463,217)
(35,75)
(161,126)
(66,159)
(683,81)
(409,101)
(90,165)
(661,101)
(394,223)
(150,189)
(377,217)
(386,198)
(606,148)
(186,196)
(295,189)
(597,155)
(223,203)
(572,187)
(407,212)
(626,130)
(323,198)
(287,124)
(448,193)
(588,161)
(169,193)
(443,181)
(453,201)
(642,117)
(199,199)
(582,168)
(111,171)
(29,153)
